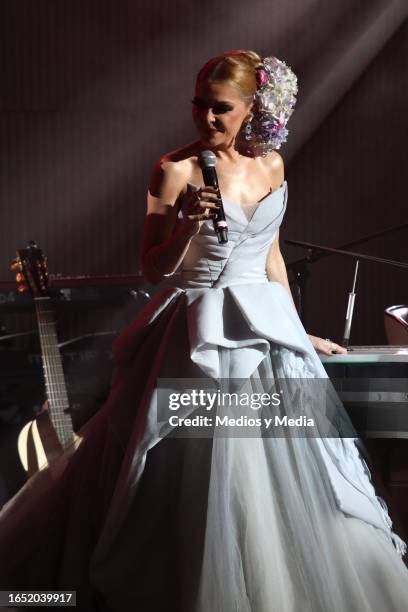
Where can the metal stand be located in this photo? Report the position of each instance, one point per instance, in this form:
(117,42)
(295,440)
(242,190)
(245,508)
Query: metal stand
(299,267)
(350,309)
(316,251)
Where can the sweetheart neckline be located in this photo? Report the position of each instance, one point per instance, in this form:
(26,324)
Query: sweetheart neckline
(255,206)
(265,197)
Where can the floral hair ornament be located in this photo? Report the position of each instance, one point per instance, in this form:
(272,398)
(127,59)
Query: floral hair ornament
(274,102)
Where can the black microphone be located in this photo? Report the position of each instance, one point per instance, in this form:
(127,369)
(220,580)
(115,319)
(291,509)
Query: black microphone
(207,161)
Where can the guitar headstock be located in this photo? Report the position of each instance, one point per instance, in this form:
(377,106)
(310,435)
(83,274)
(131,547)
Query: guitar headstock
(31,270)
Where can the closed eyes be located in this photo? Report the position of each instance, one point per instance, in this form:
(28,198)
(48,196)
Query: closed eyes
(218,109)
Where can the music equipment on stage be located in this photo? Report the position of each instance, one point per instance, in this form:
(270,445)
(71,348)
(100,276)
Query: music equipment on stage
(316,251)
(369,355)
(51,432)
(372,382)
(77,292)
(301,273)
(350,310)
(396,324)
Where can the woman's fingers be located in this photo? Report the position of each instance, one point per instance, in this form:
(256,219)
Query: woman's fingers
(208,191)
(328,347)
(338,349)
(207,199)
(202,205)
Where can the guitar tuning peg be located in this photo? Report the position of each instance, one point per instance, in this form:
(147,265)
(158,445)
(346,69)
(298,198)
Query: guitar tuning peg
(19,277)
(15,264)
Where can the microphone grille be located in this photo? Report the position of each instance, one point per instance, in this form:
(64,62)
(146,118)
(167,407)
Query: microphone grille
(207,158)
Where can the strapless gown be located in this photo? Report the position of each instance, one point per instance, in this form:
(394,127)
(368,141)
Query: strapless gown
(143,518)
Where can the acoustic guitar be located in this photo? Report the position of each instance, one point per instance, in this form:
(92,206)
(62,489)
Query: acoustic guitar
(51,432)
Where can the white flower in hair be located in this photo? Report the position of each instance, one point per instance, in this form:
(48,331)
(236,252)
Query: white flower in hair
(274,102)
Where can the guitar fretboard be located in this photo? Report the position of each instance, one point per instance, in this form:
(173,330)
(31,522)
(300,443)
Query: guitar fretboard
(53,372)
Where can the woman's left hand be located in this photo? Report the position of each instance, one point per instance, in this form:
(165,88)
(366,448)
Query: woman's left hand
(326,346)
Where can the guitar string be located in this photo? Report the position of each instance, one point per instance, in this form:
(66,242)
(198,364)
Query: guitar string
(61,397)
(54,372)
(56,362)
(46,362)
(50,391)
(48,365)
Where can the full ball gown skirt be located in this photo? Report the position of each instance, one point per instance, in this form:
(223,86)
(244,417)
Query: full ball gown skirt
(138,519)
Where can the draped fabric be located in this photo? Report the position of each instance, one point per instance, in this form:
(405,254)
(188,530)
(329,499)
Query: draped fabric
(139,517)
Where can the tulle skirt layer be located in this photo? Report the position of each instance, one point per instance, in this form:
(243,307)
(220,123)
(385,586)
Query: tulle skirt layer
(217,524)
(236,524)
(240,544)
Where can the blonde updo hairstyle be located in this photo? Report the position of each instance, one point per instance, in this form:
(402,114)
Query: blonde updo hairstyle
(236,68)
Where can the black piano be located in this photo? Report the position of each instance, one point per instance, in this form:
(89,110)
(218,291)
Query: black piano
(372,382)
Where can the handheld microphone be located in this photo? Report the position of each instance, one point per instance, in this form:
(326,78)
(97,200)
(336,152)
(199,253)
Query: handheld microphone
(207,161)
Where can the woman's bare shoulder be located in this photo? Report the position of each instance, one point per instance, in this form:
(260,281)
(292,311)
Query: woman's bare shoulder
(181,160)
(172,172)
(275,168)
(175,167)
(274,162)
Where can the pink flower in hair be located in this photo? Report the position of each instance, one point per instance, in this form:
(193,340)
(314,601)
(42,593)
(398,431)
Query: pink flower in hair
(261,77)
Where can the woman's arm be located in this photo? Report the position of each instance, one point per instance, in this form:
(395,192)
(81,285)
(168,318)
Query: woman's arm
(275,265)
(276,268)
(276,271)
(165,242)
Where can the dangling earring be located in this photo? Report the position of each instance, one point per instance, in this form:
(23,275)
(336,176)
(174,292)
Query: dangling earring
(247,128)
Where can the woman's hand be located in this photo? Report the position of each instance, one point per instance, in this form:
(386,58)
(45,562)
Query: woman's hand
(326,346)
(200,206)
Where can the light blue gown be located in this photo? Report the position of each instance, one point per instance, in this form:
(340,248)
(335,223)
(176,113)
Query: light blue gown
(229,523)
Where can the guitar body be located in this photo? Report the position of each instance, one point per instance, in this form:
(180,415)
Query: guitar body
(38,444)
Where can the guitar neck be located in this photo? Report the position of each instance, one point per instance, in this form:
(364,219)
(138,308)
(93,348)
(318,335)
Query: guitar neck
(56,390)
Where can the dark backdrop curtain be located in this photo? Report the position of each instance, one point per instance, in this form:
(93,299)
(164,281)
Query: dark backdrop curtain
(94,91)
